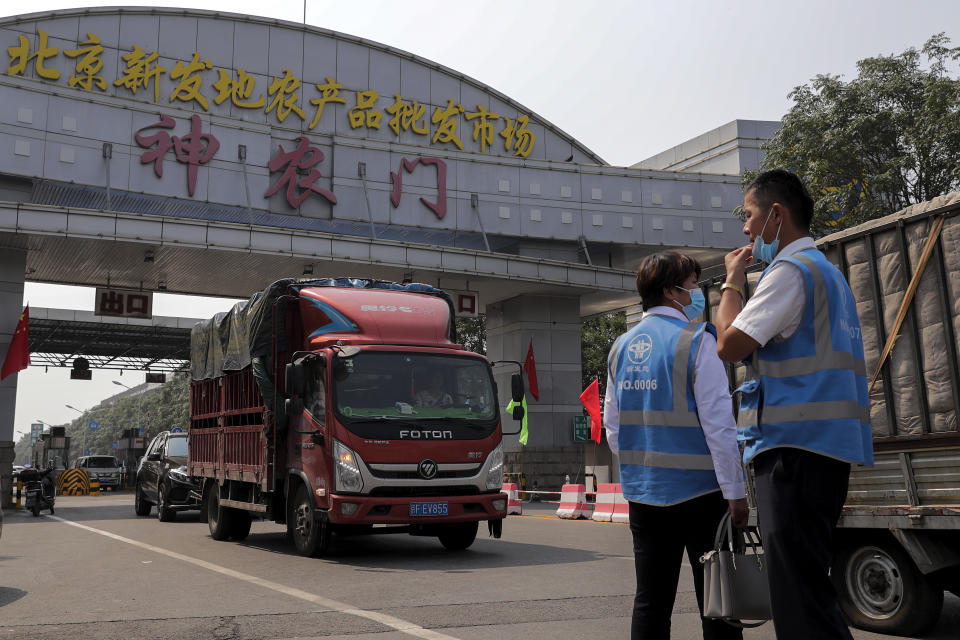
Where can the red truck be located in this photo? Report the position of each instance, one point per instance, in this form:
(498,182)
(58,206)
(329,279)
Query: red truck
(345,406)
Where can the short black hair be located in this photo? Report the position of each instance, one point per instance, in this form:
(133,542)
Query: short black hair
(659,271)
(779,185)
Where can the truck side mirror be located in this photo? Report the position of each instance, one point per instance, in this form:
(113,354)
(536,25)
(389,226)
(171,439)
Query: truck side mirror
(294,379)
(518,412)
(516,387)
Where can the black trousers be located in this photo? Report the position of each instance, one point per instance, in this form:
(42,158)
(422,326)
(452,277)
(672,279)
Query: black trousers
(660,536)
(799,497)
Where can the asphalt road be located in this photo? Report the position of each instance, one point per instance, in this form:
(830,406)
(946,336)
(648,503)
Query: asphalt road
(95,570)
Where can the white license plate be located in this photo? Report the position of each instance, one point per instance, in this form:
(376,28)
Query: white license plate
(429,509)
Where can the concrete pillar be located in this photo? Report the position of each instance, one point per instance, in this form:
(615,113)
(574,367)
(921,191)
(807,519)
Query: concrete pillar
(634,313)
(553,323)
(13,264)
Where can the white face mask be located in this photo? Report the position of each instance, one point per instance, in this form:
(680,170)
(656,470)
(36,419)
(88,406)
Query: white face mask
(763,251)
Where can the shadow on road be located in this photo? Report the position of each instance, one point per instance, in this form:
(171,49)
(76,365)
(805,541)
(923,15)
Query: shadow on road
(9,594)
(402,552)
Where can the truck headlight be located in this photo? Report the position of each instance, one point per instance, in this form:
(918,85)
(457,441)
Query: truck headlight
(495,468)
(348,469)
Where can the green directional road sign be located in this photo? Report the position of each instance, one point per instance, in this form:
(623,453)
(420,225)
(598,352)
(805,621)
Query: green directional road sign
(581,432)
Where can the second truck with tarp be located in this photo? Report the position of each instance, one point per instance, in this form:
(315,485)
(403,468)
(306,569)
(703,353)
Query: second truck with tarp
(344,406)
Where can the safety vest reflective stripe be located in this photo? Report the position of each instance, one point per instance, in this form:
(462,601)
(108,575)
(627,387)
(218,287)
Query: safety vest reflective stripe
(665,418)
(667,460)
(806,411)
(826,357)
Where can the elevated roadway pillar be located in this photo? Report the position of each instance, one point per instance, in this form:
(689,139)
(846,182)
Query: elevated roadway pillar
(553,324)
(13,264)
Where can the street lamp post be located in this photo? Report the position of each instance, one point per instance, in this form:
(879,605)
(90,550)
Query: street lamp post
(139,401)
(85,427)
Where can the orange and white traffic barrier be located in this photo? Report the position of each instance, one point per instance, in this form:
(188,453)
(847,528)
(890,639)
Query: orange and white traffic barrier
(606,502)
(621,508)
(573,501)
(513,498)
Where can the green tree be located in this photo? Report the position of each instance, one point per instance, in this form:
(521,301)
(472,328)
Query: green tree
(597,335)
(472,334)
(884,140)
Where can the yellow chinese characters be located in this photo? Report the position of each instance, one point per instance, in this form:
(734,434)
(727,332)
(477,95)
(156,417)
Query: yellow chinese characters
(190,81)
(407,116)
(329,92)
(482,127)
(364,113)
(284,92)
(140,70)
(446,122)
(239,90)
(517,137)
(21,54)
(89,65)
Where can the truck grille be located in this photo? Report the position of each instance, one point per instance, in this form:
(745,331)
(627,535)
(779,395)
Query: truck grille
(409,472)
(420,491)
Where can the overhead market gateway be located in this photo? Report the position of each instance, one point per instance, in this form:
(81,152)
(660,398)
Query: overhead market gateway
(188,151)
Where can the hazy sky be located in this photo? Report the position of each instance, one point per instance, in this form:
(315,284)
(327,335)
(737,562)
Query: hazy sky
(627,79)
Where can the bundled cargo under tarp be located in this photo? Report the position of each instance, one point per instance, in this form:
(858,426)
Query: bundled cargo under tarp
(232,340)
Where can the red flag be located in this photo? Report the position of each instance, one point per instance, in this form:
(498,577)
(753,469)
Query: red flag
(590,398)
(531,368)
(18,353)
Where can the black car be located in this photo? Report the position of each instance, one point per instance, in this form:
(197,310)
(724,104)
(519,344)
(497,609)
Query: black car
(162,478)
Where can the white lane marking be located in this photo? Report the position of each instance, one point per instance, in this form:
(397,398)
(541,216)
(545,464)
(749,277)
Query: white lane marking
(390,621)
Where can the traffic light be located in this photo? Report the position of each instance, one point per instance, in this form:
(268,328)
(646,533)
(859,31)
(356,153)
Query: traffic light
(81,369)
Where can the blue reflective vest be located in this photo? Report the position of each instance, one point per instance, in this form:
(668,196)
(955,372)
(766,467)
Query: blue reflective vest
(664,457)
(810,390)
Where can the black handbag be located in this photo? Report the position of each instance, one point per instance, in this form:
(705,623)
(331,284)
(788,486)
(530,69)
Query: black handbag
(734,581)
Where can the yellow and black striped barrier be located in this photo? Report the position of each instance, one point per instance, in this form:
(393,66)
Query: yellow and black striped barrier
(93,487)
(74,482)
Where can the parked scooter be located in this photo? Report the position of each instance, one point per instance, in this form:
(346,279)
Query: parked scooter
(39,489)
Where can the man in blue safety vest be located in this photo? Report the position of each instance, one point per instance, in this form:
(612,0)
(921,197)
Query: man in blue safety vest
(669,417)
(804,413)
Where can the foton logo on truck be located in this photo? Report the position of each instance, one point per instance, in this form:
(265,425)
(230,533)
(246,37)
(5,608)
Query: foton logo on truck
(432,434)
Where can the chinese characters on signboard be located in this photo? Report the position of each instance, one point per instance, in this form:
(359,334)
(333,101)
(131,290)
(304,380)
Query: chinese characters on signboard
(140,70)
(123,303)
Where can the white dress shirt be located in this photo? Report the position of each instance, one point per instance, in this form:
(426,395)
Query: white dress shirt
(775,309)
(714,408)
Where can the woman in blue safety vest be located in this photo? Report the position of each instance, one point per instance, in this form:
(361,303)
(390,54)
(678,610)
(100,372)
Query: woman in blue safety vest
(804,413)
(669,417)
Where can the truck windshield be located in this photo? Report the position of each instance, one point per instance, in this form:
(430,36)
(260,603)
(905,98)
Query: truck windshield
(385,386)
(102,462)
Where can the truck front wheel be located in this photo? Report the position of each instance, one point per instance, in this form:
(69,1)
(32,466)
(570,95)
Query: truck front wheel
(459,536)
(310,534)
(880,589)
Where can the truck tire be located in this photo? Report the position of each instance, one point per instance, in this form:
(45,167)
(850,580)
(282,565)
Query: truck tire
(140,504)
(219,519)
(880,589)
(310,534)
(459,536)
(164,512)
(240,527)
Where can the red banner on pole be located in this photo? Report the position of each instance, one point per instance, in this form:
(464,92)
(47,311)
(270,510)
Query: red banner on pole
(590,398)
(18,353)
(530,366)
